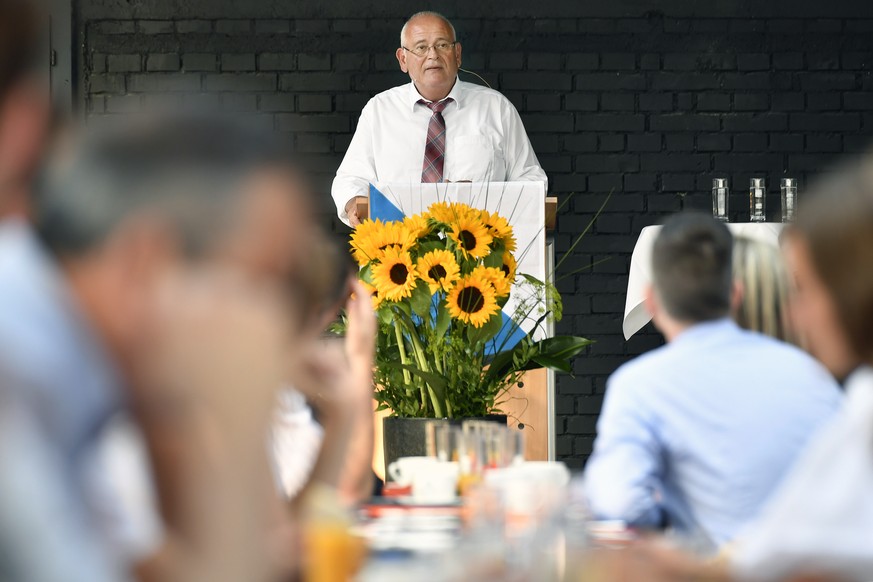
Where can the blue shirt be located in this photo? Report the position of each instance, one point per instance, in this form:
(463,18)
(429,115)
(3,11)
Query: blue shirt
(58,389)
(698,433)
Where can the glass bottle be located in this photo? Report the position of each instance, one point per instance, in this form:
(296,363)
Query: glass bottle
(789,199)
(720,199)
(758,200)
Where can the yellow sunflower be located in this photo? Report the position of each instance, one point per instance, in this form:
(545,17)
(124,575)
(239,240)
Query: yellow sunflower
(417,225)
(496,277)
(448,212)
(440,269)
(509,266)
(371,238)
(472,300)
(363,244)
(471,236)
(394,276)
(499,228)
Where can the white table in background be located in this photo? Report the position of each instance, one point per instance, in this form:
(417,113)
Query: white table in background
(640,275)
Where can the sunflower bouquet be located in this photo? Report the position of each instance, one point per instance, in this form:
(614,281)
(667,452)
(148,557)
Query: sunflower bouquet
(439,281)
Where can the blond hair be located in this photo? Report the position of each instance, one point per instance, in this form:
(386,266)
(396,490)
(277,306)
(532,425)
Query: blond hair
(761,271)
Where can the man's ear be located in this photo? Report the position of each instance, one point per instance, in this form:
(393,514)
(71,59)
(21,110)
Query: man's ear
(458,53)
(650,302)
(401,58)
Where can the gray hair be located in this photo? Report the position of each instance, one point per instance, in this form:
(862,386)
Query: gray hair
(427,13)
(187,172)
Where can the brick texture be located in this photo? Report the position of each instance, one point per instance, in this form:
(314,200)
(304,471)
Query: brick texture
(648,108)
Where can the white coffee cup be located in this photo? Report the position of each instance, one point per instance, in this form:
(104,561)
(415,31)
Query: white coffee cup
(435,483)
(403,470)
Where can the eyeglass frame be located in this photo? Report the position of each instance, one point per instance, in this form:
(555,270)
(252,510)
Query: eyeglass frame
(450,45)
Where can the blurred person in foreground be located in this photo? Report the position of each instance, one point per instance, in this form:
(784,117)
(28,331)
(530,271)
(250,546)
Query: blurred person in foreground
(695,436)
(764,287)
(166,286)
(32,501)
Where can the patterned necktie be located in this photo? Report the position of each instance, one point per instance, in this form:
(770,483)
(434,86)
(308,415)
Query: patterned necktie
(435,147)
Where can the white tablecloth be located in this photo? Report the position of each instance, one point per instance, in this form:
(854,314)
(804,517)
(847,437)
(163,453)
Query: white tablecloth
(640,276)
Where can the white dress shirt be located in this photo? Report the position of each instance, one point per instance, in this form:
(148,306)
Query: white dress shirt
(821,519)
(699,433)
(485,142)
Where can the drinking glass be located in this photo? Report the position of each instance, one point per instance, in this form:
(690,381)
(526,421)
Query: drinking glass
(789,199)
(758,200)
(720,199)
(441,441)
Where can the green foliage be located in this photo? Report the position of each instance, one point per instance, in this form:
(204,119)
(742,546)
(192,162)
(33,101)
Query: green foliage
(431,363)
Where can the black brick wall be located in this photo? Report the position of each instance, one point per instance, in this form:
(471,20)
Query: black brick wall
(650,102)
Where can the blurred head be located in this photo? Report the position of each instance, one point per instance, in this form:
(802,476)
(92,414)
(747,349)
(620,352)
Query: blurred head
(830,253)
(330,273)
(436,70)
(124,209)
(762,278)
(691,272)
(25,103)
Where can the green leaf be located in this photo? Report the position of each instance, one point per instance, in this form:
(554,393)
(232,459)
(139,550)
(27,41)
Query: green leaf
(554,352)
(403,307)
(386,316)
(553,363)
(421,299)
(435,381)
(494,260)
(508,361)
(444,318)
(429,246)
(366,274)
(487,331)
(563,347)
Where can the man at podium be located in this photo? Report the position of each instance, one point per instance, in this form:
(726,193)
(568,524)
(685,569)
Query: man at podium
(436,128)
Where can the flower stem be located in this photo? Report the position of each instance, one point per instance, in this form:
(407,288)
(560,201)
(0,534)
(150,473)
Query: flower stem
(436,399)
(401,346)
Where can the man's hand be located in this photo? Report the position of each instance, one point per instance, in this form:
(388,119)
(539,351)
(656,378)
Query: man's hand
(217,346)
(335,375)
(361,331)
(337,378)
(352,211)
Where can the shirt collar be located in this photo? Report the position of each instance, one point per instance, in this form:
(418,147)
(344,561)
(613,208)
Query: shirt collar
(414,96)
(705,329)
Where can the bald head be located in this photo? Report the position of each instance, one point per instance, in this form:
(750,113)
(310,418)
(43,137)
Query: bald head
(423,16)
(430,54)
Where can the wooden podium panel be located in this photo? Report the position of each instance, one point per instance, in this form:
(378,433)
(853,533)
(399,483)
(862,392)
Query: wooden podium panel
(527,409)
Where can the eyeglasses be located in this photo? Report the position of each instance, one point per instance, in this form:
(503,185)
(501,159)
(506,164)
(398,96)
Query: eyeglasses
(422,50)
